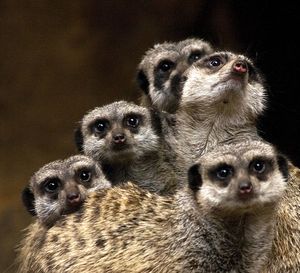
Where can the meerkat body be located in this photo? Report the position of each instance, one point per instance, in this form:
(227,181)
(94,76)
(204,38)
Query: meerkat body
(160,71)
(285,253)
(128,141)
(221,99)
(60,187)
(222,222)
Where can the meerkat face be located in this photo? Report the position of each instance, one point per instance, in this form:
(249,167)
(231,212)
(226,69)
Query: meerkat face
(240,177)
(120,132)
(224,82)
(160,71)
(60,187)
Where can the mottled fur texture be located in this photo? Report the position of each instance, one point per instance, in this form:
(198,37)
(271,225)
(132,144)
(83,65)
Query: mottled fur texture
(207,227)
(60,187)
(161,68)
(128,141)
(220,106)
(285,254)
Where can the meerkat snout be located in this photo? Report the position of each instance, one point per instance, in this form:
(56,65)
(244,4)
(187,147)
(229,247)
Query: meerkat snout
(245,188)
(240,67)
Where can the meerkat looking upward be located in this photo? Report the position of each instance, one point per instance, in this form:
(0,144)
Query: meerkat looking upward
(128,141)
(221,222)
(61,187)
(159,72)
(222,97)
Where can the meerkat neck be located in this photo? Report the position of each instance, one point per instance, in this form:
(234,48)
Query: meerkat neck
(234,243)
(205,132)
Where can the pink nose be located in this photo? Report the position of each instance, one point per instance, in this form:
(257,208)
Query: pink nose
(240,67)
(245,187)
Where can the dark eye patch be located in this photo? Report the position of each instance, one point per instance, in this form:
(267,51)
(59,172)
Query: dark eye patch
(85,175)
(133,121)
(222,173)
(51,185)
(100,126)
(165,65)
(261,167)
(195,56)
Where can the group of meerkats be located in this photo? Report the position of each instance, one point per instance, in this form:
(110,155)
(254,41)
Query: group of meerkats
(180,183)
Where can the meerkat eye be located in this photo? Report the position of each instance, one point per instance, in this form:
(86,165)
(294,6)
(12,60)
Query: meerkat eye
(100,125)
(258,166)
(224,172)
(85,175)
(195,56)
(215,61)
(165,65)
(132,121)
(52,185)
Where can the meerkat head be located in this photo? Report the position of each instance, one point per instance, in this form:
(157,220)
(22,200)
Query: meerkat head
(61,187)
(239,178)
(224,83)
(159,72)
(120,132)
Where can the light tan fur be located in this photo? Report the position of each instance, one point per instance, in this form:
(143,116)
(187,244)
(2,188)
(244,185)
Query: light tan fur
(127,229)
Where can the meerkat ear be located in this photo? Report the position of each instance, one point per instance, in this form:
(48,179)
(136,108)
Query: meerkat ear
(78,137)
(142,81)
(194,177)
(283,166)
(28,200)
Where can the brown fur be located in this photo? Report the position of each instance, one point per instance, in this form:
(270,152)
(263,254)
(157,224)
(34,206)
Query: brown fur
(127,229)
(285,255)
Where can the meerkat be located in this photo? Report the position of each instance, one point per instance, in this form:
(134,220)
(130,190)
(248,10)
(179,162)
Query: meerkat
(221,222)
(159,72)
(222,97)
(128,141)
(61,187)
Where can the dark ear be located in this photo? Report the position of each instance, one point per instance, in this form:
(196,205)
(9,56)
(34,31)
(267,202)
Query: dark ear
(194,177)
(142,81)
(283,166)
(28,200)
(78,137)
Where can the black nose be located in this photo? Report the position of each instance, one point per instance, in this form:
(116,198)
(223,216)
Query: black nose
(119,138)
(240,67)
(245,187)
(73,198)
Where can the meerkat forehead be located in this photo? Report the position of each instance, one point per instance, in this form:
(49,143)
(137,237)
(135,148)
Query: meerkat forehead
(233,154)
(116,110)
(52,169)
(157,52)
(187,46)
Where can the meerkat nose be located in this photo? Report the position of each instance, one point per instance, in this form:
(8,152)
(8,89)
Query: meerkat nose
(240,67)
(245,187)
(119,138)
(74,198)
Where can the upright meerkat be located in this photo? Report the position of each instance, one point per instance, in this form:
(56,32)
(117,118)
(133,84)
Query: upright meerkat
(221,222)
(61,187)
(221,99)
(159,72)
(128,141)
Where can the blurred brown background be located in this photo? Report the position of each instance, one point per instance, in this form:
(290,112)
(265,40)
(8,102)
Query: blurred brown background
(59,59)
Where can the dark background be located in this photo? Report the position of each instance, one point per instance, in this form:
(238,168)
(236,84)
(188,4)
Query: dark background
(59,59)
